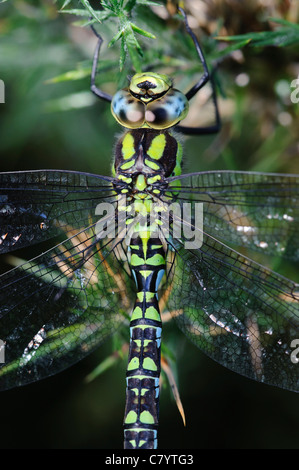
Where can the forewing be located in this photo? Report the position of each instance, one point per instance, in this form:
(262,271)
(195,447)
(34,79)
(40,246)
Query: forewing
(36,205)
(259,211)
(60,306)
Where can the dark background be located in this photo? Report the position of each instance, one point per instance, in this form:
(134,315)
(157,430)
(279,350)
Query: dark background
(62,126)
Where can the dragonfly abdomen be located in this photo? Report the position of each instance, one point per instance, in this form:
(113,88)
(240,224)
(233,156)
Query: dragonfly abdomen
(143,372)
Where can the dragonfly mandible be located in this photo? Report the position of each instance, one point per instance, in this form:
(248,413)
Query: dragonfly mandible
(129,249)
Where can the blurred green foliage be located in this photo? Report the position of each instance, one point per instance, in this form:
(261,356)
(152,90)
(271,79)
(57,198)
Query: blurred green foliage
(50,119)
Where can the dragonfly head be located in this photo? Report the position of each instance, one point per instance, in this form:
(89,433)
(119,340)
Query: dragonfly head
(150,101)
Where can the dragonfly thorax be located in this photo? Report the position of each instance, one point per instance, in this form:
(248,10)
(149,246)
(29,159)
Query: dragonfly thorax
(145,157)
(149,102)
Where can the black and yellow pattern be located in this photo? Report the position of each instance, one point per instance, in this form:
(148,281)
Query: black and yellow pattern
(142,408)
(144,157)
(147,152)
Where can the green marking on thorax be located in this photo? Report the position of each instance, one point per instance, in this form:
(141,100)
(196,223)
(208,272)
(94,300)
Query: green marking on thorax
(128,148)
(127,165)
(141,183)
(157,147)
(124,178)
(178,167)
(151,164)
(154,179)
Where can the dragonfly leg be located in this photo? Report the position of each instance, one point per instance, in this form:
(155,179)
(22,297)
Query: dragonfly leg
(206,77)
(99,93)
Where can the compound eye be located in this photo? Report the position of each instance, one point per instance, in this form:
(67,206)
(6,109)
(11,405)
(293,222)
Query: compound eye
(127,110)
(167,111)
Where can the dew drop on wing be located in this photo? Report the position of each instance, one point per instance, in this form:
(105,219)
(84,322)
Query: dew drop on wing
(7,210)
(288,218)
(43,226)
(44,223)
(2,237)
(33,346)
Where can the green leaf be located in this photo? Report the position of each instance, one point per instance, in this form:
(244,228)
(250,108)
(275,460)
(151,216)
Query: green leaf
(102,367)
(66,3)
(148,3)
(142,31)
(116,38)
(82,23)
(71,75)
(284,22)
(77,12)
(81,72)
(96,15)
(126,29)
(134,49)
(130,5)
(284,36)
(123,54)
(229,49)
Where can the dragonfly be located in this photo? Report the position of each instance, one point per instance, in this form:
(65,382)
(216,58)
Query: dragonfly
(145,242)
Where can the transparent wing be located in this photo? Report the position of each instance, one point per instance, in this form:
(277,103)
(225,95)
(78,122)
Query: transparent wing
(238,312)
(36,205)
(259,211)
(58,307)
